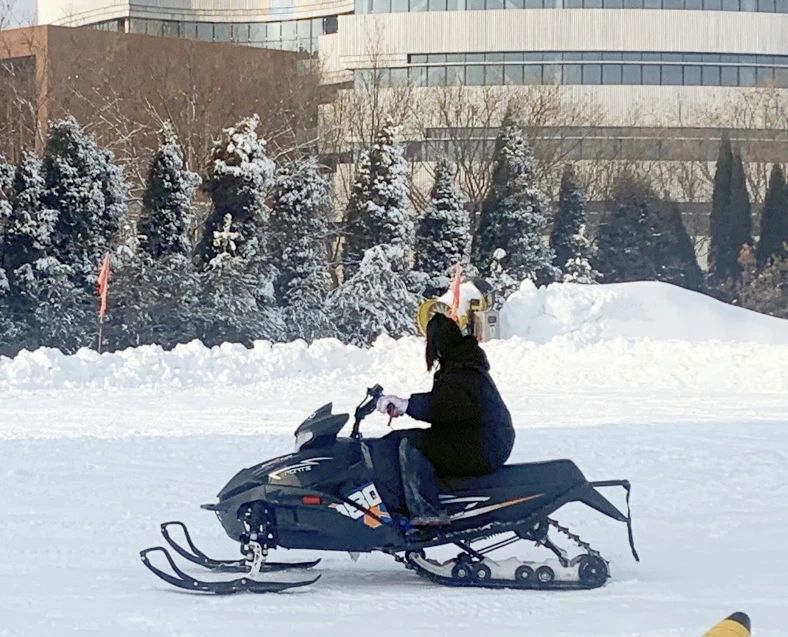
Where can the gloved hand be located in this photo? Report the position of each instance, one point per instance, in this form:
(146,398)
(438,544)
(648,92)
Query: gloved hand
(392,405)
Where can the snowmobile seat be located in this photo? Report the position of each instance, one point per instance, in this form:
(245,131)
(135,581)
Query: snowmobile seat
(561,474)
(558,478)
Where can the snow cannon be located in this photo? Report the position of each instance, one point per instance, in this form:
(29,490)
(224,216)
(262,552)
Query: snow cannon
(736,625)
(475,313)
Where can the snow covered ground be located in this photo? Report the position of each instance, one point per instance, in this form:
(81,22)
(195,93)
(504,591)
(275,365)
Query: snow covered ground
(96,451)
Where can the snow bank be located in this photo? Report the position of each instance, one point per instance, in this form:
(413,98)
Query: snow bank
(642,309)
(648,336)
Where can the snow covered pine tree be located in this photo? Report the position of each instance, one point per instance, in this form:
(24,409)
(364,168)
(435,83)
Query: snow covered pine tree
(443,235)
(300,208)
(239,176)
(513,216)
(381,218)
(375,300)
(573,250)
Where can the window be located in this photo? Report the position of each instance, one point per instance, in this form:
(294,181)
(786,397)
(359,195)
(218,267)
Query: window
(712,5)
(781,6)
(513,74)
(418,5)
(613,4)
(711,75)
(474,57)
(436,5)
(155,27)
(512,57)
(552,74)
(455,75)
(573,4)
(474,75)
(692,75)
(729,76)
(330,24)
(436,76)
(652,4)
(274,32)
(222,32)
(651,74)
(455,58)
(533,4)
(362,6)
(455,5)
(381,6)
(611,74)
(417,75)
(573,74)
(746,76)
(532,74)
(631,74)
(288,30)
(765,77)
(204,31)
(673,4)
(592,73)
(695,5)
(493,75)
(766,6)
(730,5)
(633,4)
(494,4)
(781,78)
(475,5)
(362,79)
(257,32)
(189,30)
(398,77)
(592,4)
(514,4)
(671,75)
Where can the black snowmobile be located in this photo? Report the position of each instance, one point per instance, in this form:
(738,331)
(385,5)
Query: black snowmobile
(324,497)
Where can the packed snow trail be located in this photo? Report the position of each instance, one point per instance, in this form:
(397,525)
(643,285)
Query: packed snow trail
(96,451)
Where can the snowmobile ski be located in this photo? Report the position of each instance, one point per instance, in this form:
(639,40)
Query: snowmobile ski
(240,585)
(196,556)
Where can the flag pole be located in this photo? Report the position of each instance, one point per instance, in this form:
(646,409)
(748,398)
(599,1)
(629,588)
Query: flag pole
(102,284)
(100,332)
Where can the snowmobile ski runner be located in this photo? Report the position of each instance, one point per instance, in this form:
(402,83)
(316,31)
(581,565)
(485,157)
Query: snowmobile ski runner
(325,496)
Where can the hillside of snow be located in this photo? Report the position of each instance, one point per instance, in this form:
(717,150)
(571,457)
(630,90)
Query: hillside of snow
(683,395)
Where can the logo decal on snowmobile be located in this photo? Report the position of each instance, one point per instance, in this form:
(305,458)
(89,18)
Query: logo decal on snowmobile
(367,499)
(304,465)
(471,511)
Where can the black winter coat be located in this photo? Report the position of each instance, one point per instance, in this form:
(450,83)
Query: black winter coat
(471,431)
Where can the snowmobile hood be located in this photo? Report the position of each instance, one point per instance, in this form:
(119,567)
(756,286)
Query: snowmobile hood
(251,477)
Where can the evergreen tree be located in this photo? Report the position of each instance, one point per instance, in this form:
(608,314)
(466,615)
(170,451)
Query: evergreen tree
(29,226)
(53,307)
(573,250)
(644,239)
(356,232)
(239,176)
(6,179)
(236,303)
(387,217)
(88,194)
(443,233)
(513,213)
(740,210)
(374,301)
(376,213)
(166,202)
(774,220)
(300,209)
(729,224)
(767,291)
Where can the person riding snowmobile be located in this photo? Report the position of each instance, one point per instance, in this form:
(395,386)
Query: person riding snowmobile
(471,432)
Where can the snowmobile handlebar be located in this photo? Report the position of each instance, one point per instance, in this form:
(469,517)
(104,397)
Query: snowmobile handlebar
(366,407)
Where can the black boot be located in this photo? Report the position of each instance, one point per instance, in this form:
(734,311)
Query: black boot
(421,488)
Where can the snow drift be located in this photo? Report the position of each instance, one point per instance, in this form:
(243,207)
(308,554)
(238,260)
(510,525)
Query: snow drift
(642,309)
(618,336)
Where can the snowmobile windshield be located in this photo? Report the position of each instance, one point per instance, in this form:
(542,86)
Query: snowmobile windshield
(321,427)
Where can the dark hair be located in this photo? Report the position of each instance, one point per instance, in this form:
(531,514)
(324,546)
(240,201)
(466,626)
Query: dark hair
(442,335)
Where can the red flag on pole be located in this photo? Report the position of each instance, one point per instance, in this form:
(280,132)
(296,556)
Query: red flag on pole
(455,291)
(102,284)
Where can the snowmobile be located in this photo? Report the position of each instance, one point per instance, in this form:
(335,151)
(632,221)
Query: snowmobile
(325,496)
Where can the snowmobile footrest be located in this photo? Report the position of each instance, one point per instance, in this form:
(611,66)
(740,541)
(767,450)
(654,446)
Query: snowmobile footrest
(241,585)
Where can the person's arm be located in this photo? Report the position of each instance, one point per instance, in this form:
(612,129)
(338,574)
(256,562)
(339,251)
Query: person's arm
(446,402)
